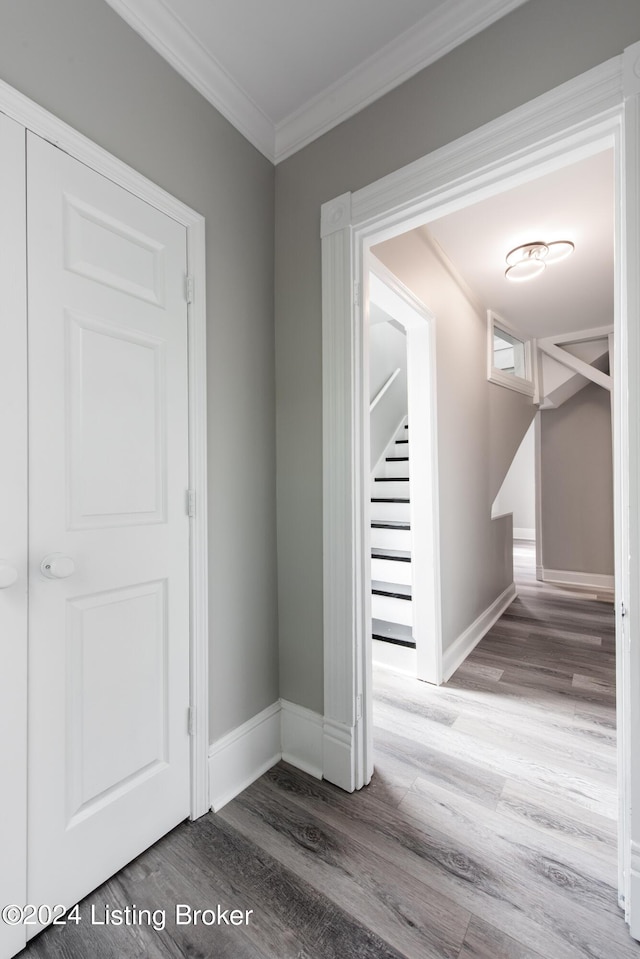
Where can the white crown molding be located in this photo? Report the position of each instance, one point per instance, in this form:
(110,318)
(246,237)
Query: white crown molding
(436,34)
(169,37)
(427,41)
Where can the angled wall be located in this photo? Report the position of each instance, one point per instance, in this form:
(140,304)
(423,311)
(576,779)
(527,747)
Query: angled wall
(576,484)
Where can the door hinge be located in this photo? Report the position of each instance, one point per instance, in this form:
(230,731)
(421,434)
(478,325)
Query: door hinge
(356,294)
(358,707)
(188,288)
(191,502)
(191,721)
(623,610)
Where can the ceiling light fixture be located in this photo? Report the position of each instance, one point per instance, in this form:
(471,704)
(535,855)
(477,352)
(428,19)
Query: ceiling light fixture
(529,260)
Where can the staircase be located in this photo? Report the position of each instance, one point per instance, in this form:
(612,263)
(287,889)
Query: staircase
(391,608)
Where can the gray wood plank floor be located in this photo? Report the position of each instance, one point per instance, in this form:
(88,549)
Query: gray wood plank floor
(488,831)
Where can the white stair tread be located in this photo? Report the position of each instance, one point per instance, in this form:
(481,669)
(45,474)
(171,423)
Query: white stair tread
(401,555)
(395,590)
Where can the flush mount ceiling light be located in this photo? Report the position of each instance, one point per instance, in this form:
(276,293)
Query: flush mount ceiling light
(530,259)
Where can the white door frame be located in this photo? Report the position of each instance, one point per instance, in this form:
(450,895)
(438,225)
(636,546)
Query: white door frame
(389,293)
(44,124)
(598,109)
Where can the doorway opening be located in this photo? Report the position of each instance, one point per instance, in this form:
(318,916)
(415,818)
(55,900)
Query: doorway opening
(483,445)
(576,121)
(404,512)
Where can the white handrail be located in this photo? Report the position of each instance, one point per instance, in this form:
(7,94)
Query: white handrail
(384,389)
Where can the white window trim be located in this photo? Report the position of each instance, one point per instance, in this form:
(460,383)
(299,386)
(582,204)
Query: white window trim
(499,377)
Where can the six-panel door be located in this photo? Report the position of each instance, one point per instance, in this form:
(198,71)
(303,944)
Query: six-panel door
(108,526)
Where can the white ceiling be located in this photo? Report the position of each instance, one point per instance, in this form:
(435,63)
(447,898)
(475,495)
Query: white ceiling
(286,71)
(574,203)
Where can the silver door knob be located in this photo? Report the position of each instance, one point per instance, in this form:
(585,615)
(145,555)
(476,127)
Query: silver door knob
(8,574)
(57,566)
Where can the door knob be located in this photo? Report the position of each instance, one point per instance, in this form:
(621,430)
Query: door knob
(57,566)
(8,574)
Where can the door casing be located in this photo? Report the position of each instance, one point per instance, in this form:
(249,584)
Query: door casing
(597,110)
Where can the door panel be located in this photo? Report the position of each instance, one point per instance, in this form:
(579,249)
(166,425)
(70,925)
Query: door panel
(116,425)
(109,642)
(13,529)
(106,630)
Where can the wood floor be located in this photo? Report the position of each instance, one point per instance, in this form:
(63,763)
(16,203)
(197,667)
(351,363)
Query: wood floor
(488,831)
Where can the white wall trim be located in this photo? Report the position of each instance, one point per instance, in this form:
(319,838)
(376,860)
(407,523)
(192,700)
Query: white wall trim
(565,577)
(50,128)
(456,654)
(167,34)
(339,754)
(424,43)
(243,755)
(283,730)
(302,734)
(486,159)
(524,532)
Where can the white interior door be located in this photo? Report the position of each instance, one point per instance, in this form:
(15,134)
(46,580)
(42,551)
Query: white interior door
(13,530)
(108,465)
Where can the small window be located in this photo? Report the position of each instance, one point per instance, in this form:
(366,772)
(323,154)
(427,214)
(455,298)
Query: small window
(508,356)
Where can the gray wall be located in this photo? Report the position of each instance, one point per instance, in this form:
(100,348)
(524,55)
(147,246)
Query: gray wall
(576,484)
(476,563)
(518,492)
(79,60)
(387,353)
(528,52)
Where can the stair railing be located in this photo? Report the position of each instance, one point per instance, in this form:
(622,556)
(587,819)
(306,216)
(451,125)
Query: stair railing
(383,390)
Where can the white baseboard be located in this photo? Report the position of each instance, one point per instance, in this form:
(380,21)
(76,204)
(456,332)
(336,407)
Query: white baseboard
(601,582)
(456,654)
(523,532)
(338,754)
(301,738)
(281,731)
(243,755)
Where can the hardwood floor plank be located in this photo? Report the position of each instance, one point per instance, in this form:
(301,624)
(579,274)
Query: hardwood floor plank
(558,816)
(163,877)
(75,941)
(596,792)
(447,864)
(563,750)
(415,920)
(460,775)
(292,918)
(484,941)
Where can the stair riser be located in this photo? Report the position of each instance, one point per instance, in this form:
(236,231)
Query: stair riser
(391,511)
(391,538)
(396,469)
(391,488)
(398,449)
(391,571)
(391,609)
